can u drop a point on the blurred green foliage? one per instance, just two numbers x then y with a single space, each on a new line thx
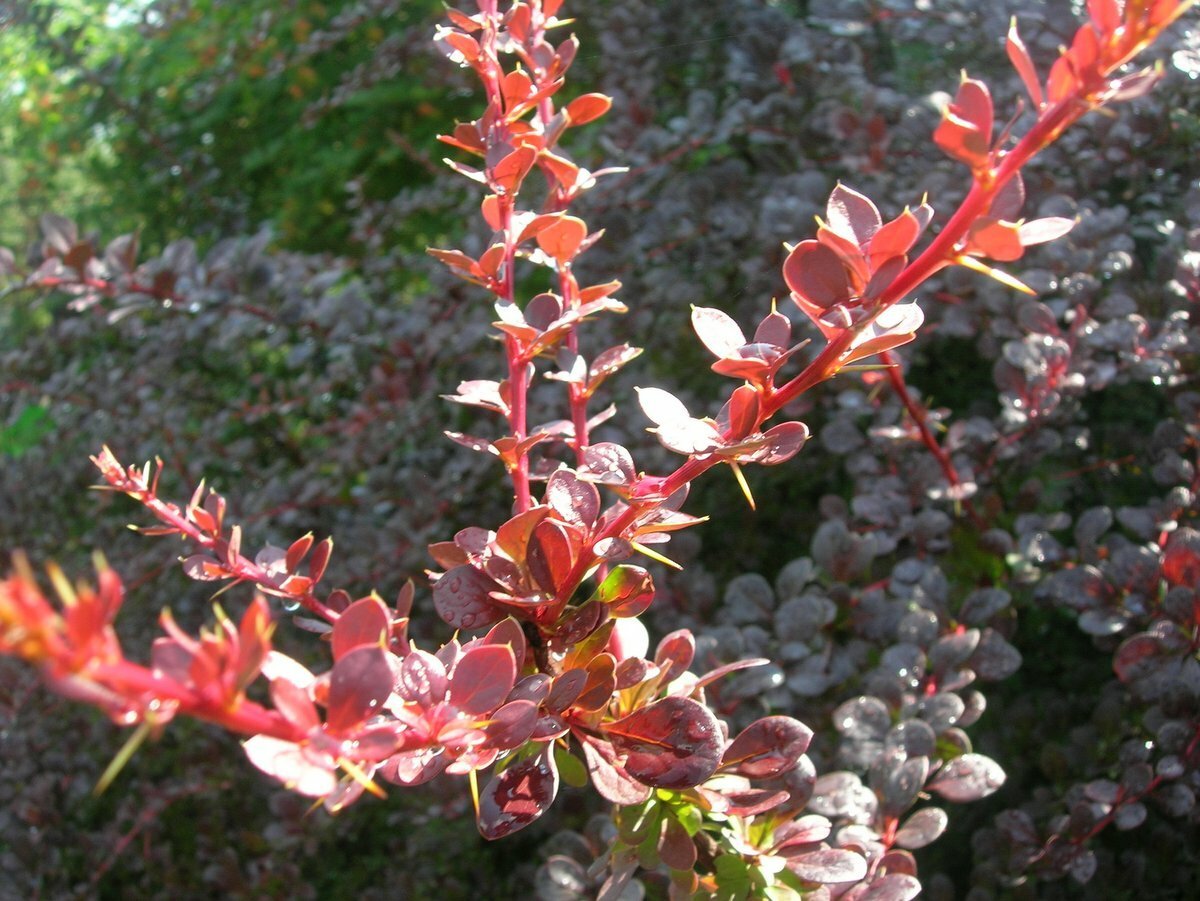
211 117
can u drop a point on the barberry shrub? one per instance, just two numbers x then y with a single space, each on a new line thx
549 677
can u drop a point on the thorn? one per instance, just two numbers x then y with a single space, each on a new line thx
654 555
360 777
61 585
1002 277
474 778
123 756
743 484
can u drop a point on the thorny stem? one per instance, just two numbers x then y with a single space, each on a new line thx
242 568
244 717
940 252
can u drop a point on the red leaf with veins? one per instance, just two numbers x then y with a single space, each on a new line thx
673 743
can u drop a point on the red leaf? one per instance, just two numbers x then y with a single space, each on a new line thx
422 679
482 678
852 215
518 796
551 556
561 239
294 704
816 275
358 684
996 239
513 537
297 550
508 633
740 414
673 743
1018 55
364 622
767 747
965 132
717 331
508 174
896 238
319 560
725 669
1181 562
600 684
587 107
674 654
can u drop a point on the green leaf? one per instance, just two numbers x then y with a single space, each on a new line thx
30 427
571 769
733 878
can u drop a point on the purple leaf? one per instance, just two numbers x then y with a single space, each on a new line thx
461 599
612 781
608 464
512 725
775 329
574 501
518 796
967 778
767 747
922 828
675 847
829 865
